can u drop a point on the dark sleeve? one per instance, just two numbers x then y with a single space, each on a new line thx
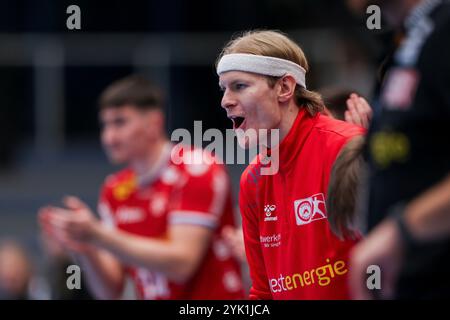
436 65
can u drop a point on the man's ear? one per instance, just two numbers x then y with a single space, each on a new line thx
287 86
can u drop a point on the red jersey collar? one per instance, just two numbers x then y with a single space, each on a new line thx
293 142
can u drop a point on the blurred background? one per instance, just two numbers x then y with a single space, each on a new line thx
50 79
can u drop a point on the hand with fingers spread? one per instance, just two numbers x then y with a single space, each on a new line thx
358 111
73 226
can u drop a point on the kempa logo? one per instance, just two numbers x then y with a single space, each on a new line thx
310 209
268 209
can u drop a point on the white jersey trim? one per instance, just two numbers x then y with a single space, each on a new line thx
192 217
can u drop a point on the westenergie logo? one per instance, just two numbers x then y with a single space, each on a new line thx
321 276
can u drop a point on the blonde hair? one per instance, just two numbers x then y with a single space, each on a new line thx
273 43
343 189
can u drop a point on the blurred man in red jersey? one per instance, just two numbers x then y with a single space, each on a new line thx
160 222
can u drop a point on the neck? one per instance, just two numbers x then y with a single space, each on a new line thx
288 116
150 159
289 113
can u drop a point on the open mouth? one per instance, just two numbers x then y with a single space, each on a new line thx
237 121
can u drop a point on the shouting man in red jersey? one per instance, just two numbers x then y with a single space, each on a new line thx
161 221
292 252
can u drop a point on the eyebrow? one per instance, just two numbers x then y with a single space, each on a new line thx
233 82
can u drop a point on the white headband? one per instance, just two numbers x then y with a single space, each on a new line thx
269 66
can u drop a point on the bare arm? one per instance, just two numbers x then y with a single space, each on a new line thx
428 216
178 256
105 276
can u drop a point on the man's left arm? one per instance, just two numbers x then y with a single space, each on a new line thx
178 255
427 217
424 219
192 219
